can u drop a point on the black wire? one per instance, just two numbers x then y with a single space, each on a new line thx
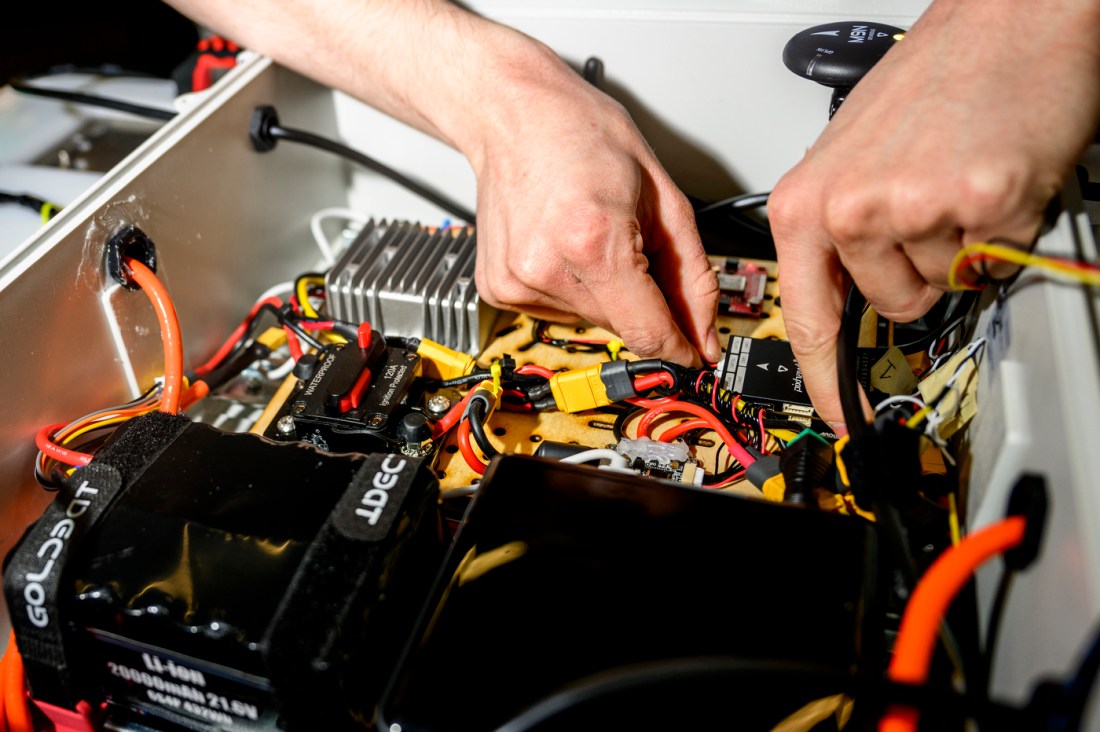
477 426
740 202
656 675
996 616
26 200
302 333
847 363
538 335
477 375
93 100
110 70
323 143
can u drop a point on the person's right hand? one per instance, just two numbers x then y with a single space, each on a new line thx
577 217
962 133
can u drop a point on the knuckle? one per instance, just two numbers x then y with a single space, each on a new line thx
910 305
582 241
809 339
849 216
786 204
643 343
989 193
917 210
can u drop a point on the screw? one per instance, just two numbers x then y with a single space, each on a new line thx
298 407
410 356
285 426
376 420
438 405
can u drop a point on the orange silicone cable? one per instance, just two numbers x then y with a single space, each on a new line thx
169 333
921 622
16 711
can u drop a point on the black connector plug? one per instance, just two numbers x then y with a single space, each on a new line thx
129 242
1028 499
806 463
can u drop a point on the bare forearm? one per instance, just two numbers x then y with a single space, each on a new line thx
426 62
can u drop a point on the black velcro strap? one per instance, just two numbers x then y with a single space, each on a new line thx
349 560
34 574
33 577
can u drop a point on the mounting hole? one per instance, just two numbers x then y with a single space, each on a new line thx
441 474
536 438
724 330
580 330
499 431
452 449
129 242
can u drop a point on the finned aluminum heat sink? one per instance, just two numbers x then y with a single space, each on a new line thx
408 281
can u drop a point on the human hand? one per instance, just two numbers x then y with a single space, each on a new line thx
577 217
962 133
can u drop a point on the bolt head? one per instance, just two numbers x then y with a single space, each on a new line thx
438 405
285 425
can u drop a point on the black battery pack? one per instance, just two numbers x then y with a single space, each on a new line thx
203 580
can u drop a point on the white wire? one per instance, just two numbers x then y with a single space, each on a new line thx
900 399
316 225
283 288
280 372
616 462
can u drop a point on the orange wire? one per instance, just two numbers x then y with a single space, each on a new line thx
921 622
16 709
169 333
3 701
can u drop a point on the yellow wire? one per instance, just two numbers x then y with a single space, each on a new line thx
495 370
915 421
307 307
999 252
953 519
303 294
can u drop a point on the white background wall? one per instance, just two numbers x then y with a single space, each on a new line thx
704 80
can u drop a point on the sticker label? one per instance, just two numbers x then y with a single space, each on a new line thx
156 683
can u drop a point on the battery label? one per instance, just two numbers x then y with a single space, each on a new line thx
151 681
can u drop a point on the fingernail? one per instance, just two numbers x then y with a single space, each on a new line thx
714 350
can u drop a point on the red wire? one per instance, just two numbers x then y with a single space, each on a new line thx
763 432
933 594
684 427
293 344
56 452
317 324
531 369
451 418
649 382
467 449
236 335
650 403
169 333
739 453
16 709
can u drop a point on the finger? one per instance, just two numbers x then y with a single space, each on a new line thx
888 279
932 259
685 276
811 286
628 302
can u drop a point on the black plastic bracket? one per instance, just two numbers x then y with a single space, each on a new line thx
133 243
263 119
